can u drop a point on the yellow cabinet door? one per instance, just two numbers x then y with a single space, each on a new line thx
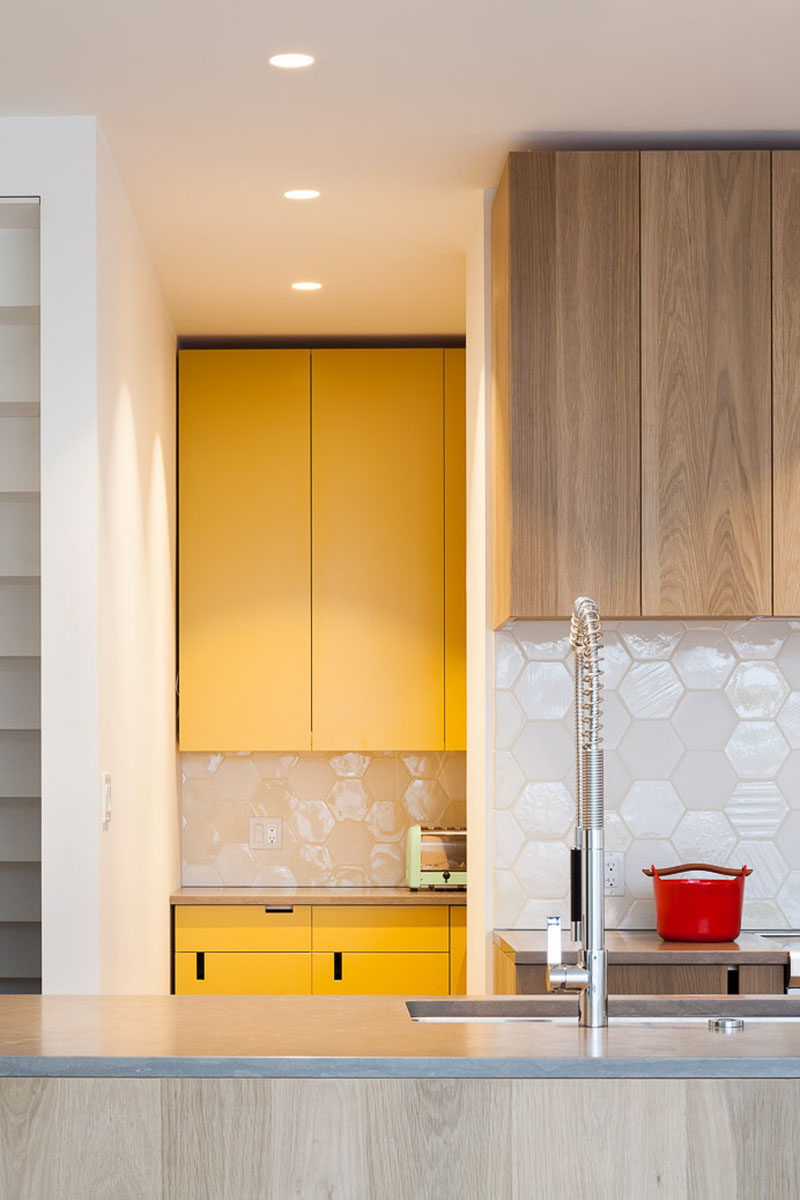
244 611
371 928
455 552
248 927
237 974
458 951
378 530
354 974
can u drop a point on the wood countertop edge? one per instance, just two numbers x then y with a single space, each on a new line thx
392 897
660 954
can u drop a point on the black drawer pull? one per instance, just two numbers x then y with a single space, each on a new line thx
337 965
278 908
201 964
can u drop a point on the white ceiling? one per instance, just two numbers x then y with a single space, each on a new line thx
406 115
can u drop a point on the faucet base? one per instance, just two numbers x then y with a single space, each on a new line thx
593 1000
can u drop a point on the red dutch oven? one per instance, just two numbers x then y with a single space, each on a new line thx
698 910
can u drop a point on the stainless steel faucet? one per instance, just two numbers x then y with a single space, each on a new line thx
588 976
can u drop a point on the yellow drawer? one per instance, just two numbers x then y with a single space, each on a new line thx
353 974
242 974
248 927
380 928
458 951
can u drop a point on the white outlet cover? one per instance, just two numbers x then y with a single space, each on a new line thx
266 833
614 875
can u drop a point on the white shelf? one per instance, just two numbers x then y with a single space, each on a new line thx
19 535
20 697
20 766
20 835
20 619
19 212
19 454
20 891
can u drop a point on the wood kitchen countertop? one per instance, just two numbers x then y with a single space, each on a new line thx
315 895
644 946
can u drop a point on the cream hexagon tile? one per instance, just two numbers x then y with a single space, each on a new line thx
543 640
756 808
311 821
756 690
274 798
545 810
199 766
231 819
384 778
617 779
508 660
641 855
508 838
455 815
542 869
274 766
200 876
424 801
535 913
762 914
704 659
509 899
704 837
652 809
650 639
508 778
544 690
769 868
350 877
757 749
616 910
349 843
315 866
275 876
422 766
789 720
704 779
387 821
237 865
200 842
788 840
789 779
789 658
312 778
757 638
615 720
651 689
199 798
453 775
640 915
617 833
704 720
385 865
236 778
544 750
789 898
650 749
349 800
350 765
287 856
614 659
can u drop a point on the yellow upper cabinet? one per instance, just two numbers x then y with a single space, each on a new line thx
244 550
455 552
378 542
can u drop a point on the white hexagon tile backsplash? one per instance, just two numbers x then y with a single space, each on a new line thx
345 816
702 757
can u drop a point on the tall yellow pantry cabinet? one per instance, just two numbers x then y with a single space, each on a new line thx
321 549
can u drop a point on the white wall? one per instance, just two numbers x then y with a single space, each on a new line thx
136 590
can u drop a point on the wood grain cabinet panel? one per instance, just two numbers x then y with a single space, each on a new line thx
706 393
565 363
786 379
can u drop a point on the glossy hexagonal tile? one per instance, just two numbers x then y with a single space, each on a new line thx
652 809
386 865
350 877
788 840
789 720
200 798
544 750
237 865
704 837
508 779
545 810
508 838
615 720
640 915
650 639
452 775
757 749
274 766
769 868
424 801
349 800
542 869
199 766
508 720
311 821
349 843
236 778
762 914
387 821
641 855
455 815
200 876
312 778
756 690
547 640
758 638
508 660
617 833
275 876
756 809
616 910
274 798
789 898
704 659
617 779
200 842
544 690
614 660
651 689
704 779
384 777
789 779
422 766
350 765
704 720
315 866
650 749
789 659
509 899
231 819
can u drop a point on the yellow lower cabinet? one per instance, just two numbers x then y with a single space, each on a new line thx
246 927
458 951
234 974
349 973
373 928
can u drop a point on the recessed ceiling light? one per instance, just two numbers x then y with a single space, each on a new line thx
301 194
291 61
307 286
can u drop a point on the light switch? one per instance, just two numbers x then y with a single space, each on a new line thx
105 812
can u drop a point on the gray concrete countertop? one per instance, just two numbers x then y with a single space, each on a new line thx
361 1037
316 895
629 947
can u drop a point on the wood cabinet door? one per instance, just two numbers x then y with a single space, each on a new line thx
706 392
565 368
244 611
377 549
786 379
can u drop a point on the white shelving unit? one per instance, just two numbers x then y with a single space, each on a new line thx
20 662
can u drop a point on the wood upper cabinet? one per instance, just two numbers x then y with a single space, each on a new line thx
565 364
786 379
706 435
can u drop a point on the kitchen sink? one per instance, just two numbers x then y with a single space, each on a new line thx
620 1008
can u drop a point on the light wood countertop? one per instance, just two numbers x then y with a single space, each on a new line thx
644 946
316 895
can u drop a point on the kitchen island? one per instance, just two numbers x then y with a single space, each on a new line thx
185 1096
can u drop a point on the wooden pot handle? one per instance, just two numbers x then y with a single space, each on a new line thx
697 867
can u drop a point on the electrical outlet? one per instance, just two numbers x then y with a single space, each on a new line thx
266 833
614 874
